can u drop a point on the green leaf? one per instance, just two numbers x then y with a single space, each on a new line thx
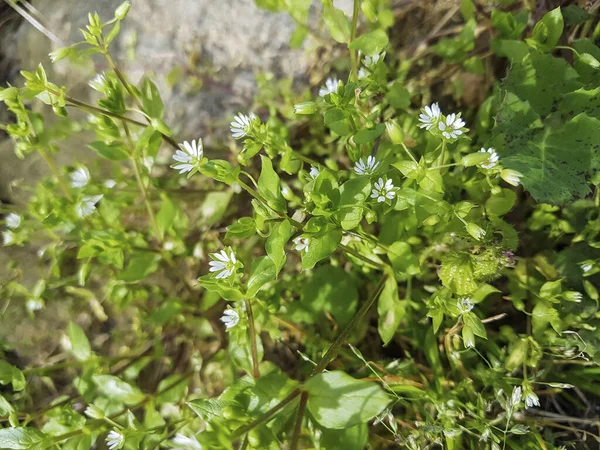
242 229
230 293
337 121
117 389
353 194
13 375
337 23
269 185
266 393
80 346
140 266
398 96
473 322
21 438
390 310
403 260
320 246
542 315
114 152
262 271
500 204
336 400
457 273
574 15
165 215
209 409
214 206
153 104
510 25
353 438
368 135
547 31
275 245
371 43
330 289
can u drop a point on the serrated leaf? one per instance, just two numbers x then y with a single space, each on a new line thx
336 400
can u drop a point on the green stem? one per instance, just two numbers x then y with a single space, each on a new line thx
408 152
341 338
353 56
361 257
56 173
253 337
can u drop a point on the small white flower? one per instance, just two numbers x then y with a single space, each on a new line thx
87 205
492 160
383 190
314 172
110 184
186 443
190 157
531 399
512 177
362 73
517 396
148 162
372 60
98 82
230 318
464 305
367 167
93 412
223 264
301 243
330 86
8 237
451 127
429 116
241 124
13 220
586 266
115 440
80 177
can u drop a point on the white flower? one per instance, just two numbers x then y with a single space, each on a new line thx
314 172
13 220
531 399
98 82
512 177
383 190
451 127
93 412
241 125
366 167
517 395
464 305
186 443
34 304
8 237
190 157
230 318
80 177
115 440
492 160
429 116
148 162
223 263
87 205
330 86
301 243
372 60
586 266
362 73
110 184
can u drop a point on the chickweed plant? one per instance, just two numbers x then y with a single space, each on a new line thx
367 265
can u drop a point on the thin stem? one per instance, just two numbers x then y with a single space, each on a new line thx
341 338
266 416
56 173
298 425
253 347
123 80
35 23
353 56
408 152
361 257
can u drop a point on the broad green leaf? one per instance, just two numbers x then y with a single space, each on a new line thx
140 266
214 206
473 322
337 23
353 438
275 245
371 43
320 246
80 346
266 393
353 194
269 185
173 389
403 260
21 438
501 203
117 389
398 96
336 400
114 152
13 375
153 104
242 229
209 409
230 293
330 289
337 121
166 215
547 31
390 310
457 273
368 135
262 271
542 315
240 351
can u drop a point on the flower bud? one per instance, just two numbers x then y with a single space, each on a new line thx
572 296
371 216
512 177
59 54
475 231
122 10
432 220
395 132
474 158
93 412
305 108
